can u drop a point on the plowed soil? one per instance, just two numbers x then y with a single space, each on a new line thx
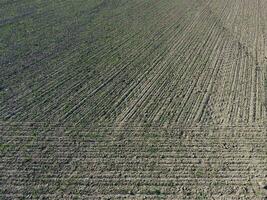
120 99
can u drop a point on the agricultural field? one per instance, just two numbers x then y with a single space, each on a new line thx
133 99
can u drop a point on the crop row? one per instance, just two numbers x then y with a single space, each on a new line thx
118 162
175 63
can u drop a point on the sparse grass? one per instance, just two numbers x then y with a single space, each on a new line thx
200 172
154 192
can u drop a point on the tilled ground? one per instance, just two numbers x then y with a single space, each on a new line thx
133 99
131 162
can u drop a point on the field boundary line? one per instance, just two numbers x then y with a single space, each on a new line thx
133 126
